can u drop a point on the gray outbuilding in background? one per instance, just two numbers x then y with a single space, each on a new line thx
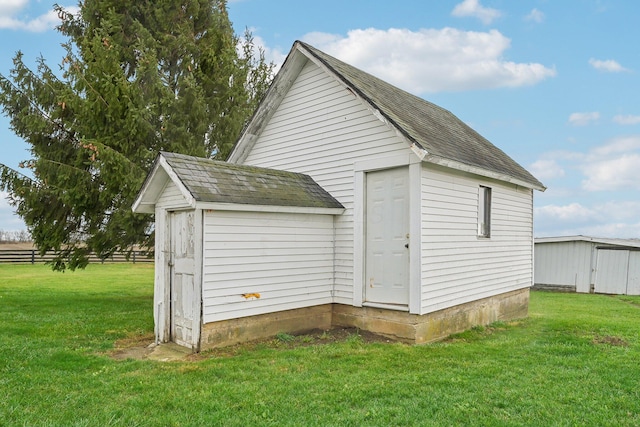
587 264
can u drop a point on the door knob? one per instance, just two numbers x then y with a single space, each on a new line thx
406 246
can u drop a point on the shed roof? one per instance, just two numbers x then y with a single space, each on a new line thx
634 243
211 181
441 136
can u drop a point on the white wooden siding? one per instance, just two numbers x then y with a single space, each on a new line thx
171 198
457 265
565 264
321 129
285 258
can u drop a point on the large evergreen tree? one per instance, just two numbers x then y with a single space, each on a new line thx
138 76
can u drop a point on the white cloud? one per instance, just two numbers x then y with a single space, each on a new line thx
612 174
582 119
618 145
432 60
474 9
573 212
626 119
619 211
9 221
10 19
612 166
611 170
10 7
608 65
609 219
609 230
608 167
615 229
535 16
546 169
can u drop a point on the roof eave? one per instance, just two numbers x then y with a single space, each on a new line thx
160 173
278 89
141 203
268 208
441 161
589 239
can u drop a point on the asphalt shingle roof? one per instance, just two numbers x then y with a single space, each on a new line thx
429 126
215 181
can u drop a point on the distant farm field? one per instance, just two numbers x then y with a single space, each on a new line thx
574 361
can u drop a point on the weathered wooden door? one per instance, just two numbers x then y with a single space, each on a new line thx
387 237
182 292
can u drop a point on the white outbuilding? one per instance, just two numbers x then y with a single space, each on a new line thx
588 265
394 217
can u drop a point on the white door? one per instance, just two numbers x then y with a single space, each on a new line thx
387 237
182 264
611 271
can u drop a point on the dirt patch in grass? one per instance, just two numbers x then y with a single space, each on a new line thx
287 341
611 340
133 347
141 346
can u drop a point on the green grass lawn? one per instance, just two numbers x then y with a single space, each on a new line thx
574 362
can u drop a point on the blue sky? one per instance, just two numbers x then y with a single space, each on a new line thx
554 84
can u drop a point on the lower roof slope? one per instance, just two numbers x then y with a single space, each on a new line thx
220 182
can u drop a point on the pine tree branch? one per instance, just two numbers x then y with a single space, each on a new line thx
7 171
60 125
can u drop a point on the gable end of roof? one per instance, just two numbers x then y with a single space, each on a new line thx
441 136
433 133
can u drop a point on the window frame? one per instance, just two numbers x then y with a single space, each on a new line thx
484 212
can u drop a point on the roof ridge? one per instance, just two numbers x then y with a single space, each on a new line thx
431 127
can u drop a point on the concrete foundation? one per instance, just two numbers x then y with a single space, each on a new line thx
234 331
397 325
420 329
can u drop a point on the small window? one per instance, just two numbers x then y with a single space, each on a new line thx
484 211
